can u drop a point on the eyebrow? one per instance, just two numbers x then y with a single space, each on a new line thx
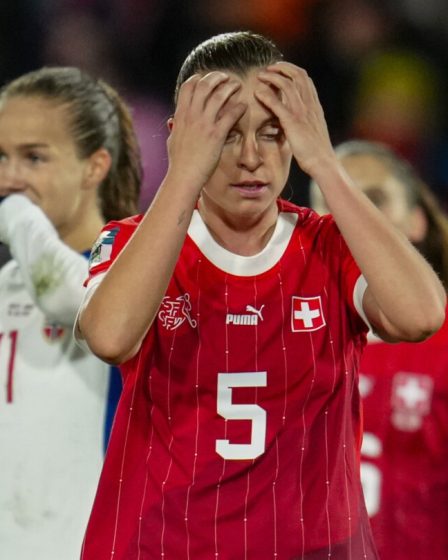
273 121
270 120
33 145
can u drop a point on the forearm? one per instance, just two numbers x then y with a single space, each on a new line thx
405 299
122 308
53 273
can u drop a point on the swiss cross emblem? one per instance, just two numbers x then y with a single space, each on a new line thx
411 400
306 314
412 392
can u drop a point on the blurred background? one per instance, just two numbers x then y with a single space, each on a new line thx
379 66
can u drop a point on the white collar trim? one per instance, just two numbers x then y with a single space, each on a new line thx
237 264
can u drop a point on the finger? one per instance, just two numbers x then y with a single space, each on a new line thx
223 95
299 77
230 115
290 94
293 81
186 91
287 69
316 97
270 99
193 92
205 87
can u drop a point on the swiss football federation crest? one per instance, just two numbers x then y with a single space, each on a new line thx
411 400
174 312
306 314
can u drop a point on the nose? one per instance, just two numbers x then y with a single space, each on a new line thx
249 157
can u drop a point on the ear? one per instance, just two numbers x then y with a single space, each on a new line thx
170 123
98 166
418 225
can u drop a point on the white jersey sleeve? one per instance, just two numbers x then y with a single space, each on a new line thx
53 272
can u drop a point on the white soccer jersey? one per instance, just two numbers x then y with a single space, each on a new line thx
52 407
53 396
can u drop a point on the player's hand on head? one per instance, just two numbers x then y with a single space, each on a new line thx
205 113
292 97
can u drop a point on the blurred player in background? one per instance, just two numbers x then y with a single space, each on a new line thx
68 162
404 386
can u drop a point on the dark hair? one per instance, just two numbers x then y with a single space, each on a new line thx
99 119
434 246
237 51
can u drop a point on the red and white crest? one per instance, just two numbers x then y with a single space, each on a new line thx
53 332
306 314
175 311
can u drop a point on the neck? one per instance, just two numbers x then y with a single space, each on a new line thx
84 234
246 236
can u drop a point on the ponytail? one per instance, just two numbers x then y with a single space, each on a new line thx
120 191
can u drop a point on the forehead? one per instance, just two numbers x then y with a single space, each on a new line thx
250 83
365 167
368 171
33 119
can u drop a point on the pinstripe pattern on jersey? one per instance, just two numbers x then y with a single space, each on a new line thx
299 499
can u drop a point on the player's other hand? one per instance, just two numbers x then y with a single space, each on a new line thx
292 97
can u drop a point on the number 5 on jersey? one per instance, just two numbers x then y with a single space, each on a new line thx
252 412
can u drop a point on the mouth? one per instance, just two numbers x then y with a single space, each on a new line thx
250 188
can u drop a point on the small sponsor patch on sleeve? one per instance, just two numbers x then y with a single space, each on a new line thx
102 249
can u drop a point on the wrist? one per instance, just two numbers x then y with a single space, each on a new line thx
328 172
184 183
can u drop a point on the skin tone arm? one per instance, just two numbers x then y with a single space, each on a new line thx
404 299
205 114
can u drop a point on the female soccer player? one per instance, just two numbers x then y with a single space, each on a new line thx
68 161
239 320
404 386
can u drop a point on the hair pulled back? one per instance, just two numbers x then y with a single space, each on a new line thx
237 52
99 118
434 246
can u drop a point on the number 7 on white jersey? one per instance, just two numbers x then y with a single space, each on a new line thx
252 412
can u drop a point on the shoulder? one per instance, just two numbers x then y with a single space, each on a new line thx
319 228
306 215
125 225
111 240
119 229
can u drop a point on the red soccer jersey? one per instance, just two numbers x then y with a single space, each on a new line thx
405 447
237 435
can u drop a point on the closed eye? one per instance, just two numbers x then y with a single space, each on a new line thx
231 136
271 133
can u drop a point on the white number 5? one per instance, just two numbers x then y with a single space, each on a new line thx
253 412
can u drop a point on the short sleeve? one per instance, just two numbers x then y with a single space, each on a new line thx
108 246
352 282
